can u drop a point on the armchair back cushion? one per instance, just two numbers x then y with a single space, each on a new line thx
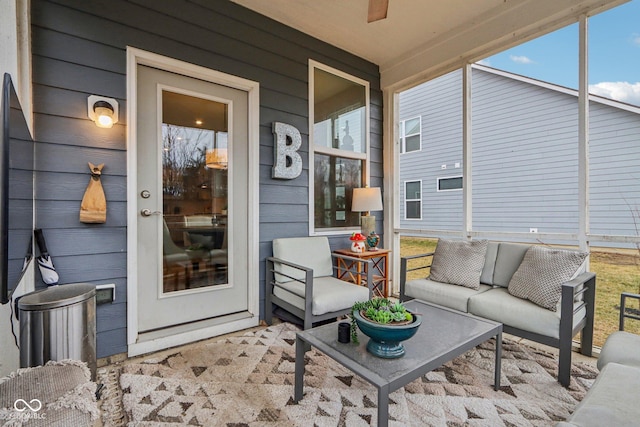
310 252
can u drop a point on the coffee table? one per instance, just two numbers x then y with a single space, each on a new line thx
444 335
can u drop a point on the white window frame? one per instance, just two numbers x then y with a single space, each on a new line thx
406 199
448 177
313 65
403 135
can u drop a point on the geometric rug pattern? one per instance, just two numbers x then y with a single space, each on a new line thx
248 381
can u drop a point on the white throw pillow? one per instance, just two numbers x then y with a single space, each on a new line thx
542 272
459 262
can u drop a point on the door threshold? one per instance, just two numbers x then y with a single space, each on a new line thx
161 339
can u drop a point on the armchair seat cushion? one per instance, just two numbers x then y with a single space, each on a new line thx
620 347
612 400
329 294
499 305
455 297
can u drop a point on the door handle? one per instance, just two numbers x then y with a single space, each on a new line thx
148 212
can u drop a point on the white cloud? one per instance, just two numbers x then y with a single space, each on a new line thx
635 39
484 62
521 59
620 91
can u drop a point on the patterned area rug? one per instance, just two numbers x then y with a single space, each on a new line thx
247 381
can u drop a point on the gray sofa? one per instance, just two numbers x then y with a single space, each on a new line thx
499 268
612 400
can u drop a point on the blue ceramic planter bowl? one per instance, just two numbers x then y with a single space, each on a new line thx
386 340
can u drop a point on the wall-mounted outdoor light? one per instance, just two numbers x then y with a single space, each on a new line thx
103 111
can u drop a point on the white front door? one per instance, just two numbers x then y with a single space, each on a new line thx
193 203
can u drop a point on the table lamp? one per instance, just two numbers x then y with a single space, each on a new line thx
366 200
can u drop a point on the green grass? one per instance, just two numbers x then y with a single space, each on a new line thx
617 271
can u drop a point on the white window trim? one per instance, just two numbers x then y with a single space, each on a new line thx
406 199
333 151
447 177
403 135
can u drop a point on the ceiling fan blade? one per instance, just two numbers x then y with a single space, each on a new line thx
377 10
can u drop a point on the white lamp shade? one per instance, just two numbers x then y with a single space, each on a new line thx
366 199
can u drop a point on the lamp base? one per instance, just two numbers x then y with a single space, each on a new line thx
367 224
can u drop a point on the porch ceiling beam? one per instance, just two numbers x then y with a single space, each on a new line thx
505 26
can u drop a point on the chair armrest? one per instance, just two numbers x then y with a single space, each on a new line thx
367 263
308 278
623 303
404 269
275 260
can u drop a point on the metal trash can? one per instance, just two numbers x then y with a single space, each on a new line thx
58 323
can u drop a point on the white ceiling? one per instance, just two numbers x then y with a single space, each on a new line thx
422 38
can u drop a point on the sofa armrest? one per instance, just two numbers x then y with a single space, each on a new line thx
363 266
404 269
577 294
623 313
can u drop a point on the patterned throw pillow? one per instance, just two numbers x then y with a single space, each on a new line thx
459 262
541 274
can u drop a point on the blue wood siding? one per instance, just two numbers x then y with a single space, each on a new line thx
525 157
79 49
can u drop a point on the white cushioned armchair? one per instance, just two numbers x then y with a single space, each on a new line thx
300 278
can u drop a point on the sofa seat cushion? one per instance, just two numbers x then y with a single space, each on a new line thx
329 294
620 347
612 400
459 262
445 294
499 305
542 273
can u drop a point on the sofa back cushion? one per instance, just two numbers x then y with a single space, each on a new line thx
459 262
508 260
541 274
310 252
486 277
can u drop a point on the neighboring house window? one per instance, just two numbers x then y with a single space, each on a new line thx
450 183
410 135
413 200
339 148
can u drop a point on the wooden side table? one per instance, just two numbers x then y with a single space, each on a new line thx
351 271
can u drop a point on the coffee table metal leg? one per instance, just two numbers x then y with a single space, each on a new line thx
498 366
299 375
383 406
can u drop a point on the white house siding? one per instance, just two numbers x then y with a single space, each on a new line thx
79 49
525 156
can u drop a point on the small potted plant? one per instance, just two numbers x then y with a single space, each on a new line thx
386 323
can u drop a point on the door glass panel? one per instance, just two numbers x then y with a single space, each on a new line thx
195 197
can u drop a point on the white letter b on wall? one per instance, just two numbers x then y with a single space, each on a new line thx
287 162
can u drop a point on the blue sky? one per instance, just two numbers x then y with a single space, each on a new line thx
614 55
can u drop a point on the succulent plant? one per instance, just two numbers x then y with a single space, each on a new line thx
380 310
